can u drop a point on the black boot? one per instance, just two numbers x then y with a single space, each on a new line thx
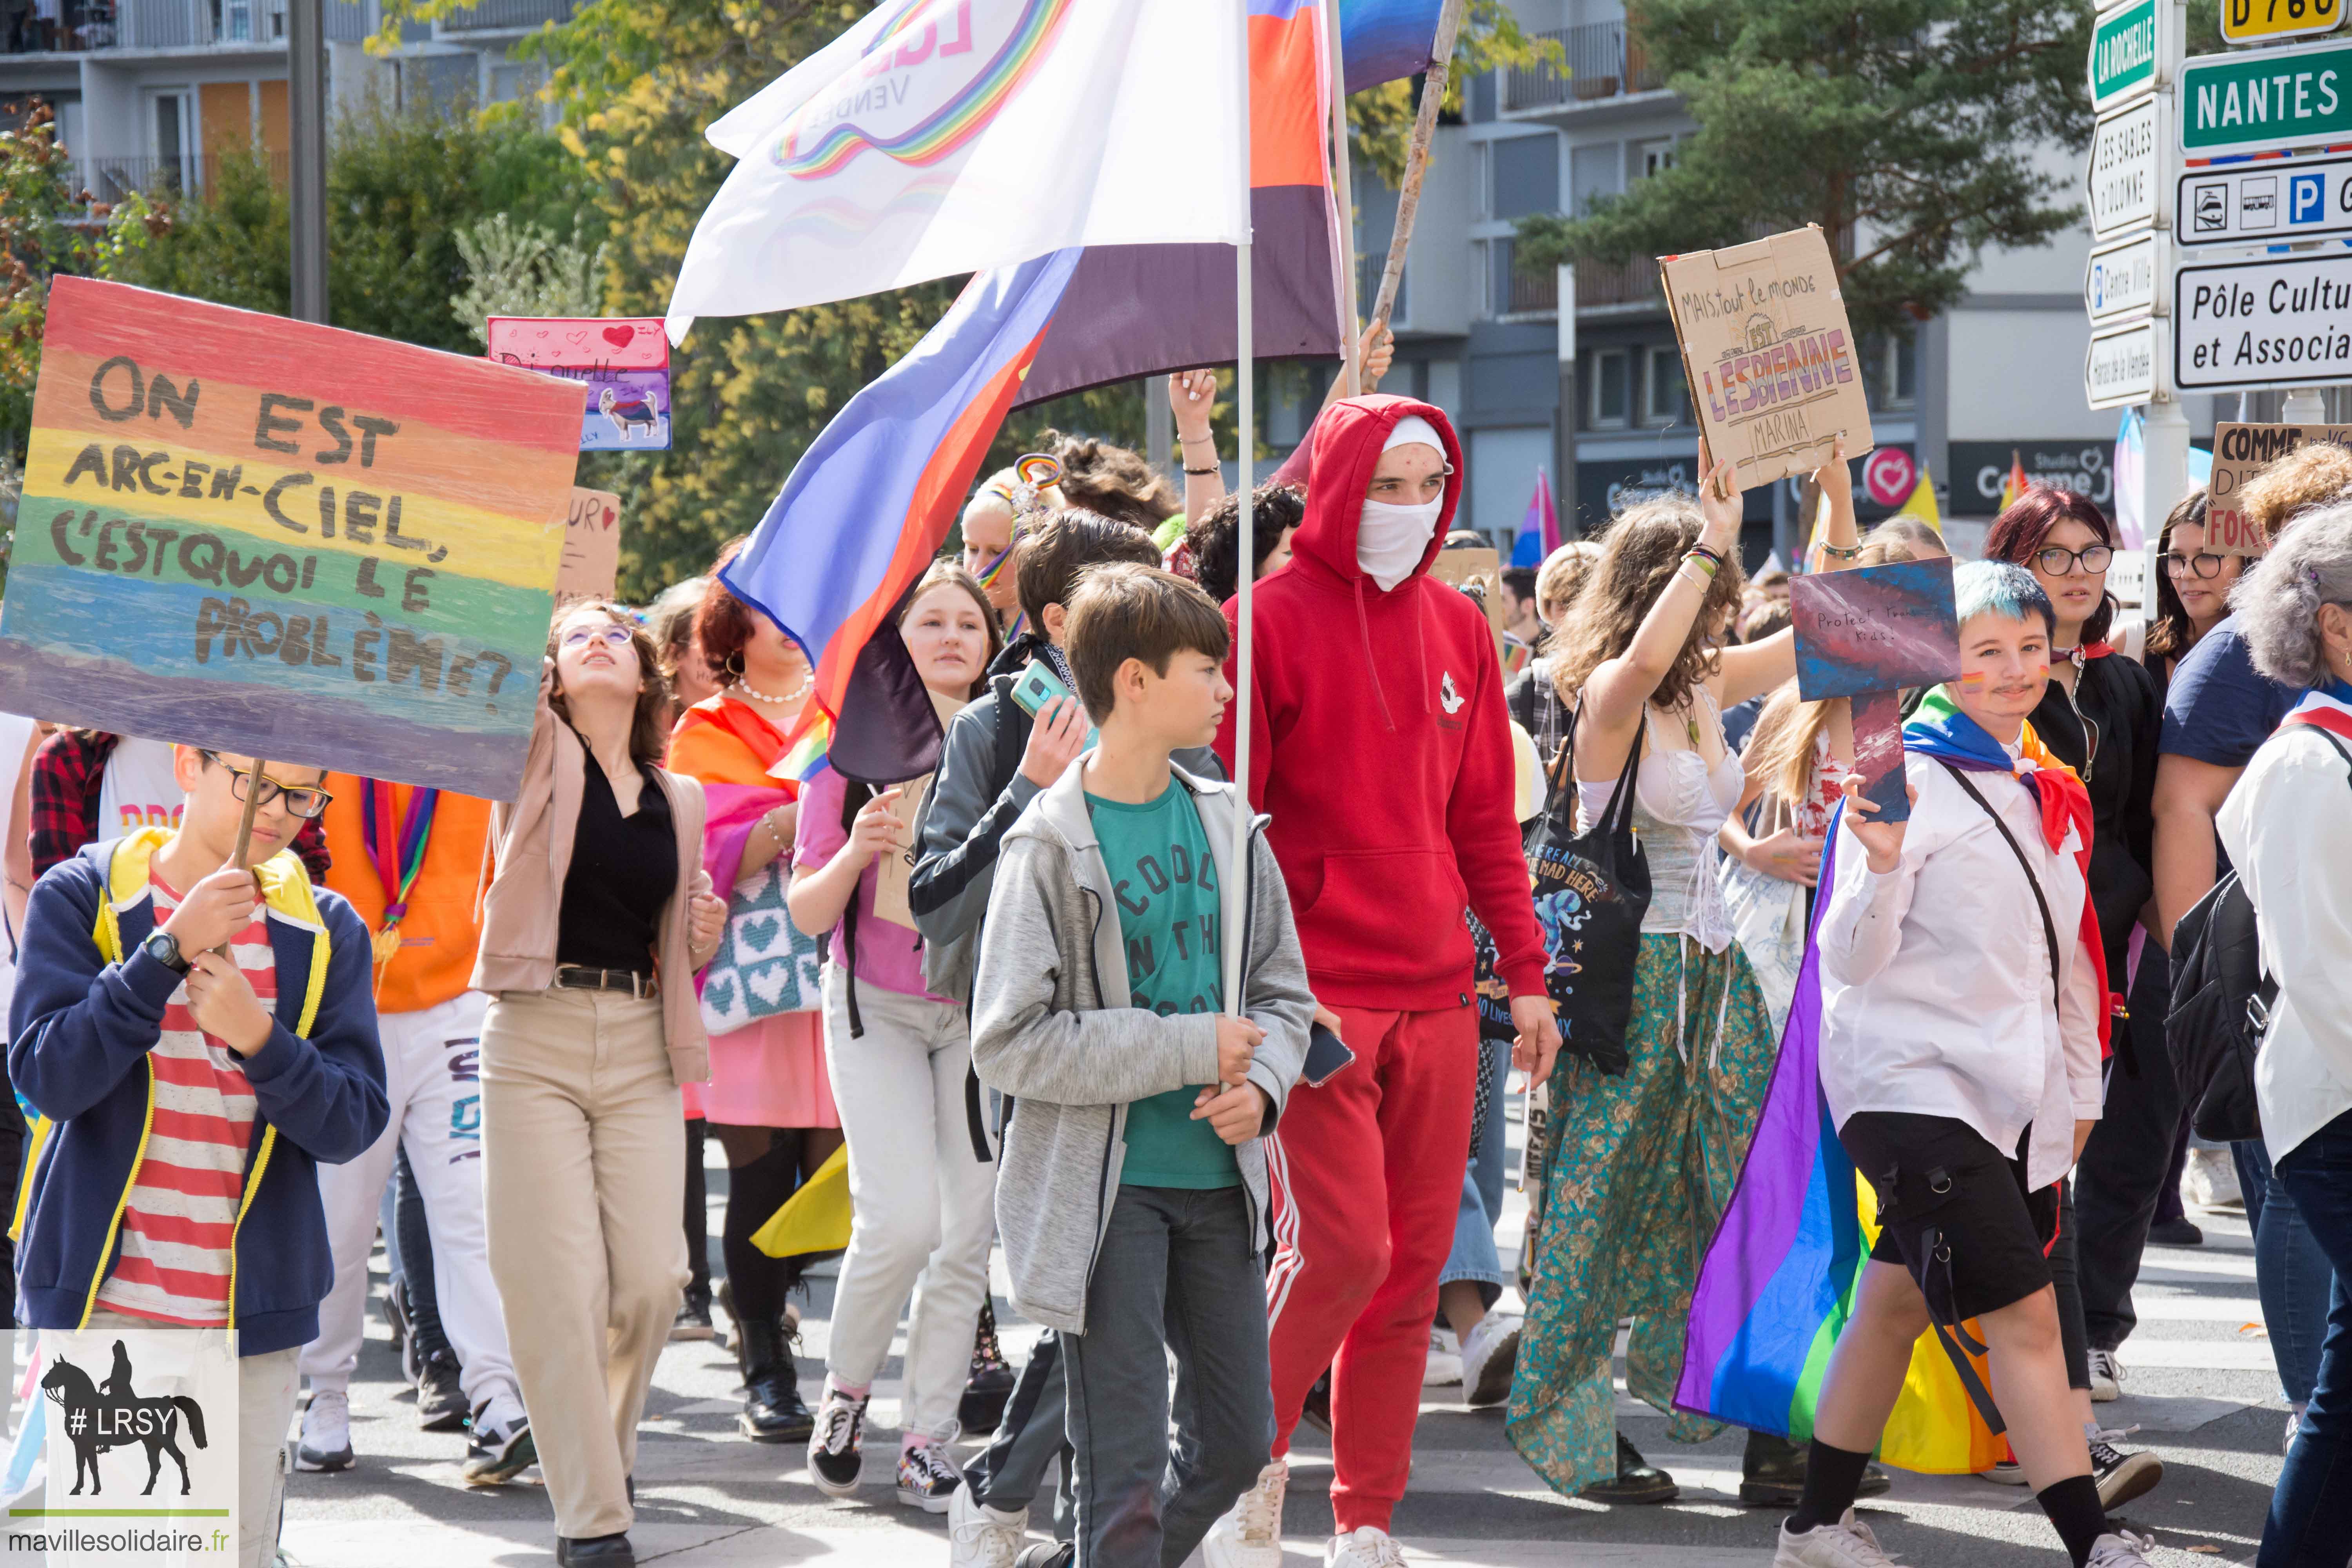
990 1385
773 1411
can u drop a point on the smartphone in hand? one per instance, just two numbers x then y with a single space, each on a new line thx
1039 687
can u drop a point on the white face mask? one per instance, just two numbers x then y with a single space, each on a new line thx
1391 539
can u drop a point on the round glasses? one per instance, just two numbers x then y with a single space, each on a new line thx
2199 566
615 636
2057 560
304 801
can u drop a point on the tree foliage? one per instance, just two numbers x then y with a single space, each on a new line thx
1908 130
521 270
1380 118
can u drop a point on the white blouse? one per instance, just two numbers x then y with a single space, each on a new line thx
1936 980
2288 828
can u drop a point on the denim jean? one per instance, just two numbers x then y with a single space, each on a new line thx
2310 1523
1473 1257
2291 1273
1032 1435
1177 1271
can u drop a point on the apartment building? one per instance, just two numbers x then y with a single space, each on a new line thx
149 93
1481 335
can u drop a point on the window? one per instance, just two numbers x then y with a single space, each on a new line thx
1612 399
1592 173
1653 157
1525 172
174 142
1664 399
1891 370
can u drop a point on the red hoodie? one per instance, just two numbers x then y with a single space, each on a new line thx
1380 746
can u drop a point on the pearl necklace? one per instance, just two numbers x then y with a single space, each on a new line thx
746 689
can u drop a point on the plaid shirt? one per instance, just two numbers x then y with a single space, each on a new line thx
68 771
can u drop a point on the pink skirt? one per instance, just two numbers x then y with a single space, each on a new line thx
771 1074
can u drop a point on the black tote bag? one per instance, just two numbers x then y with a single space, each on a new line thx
1592 889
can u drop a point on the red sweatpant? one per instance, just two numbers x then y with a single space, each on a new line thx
1367 1174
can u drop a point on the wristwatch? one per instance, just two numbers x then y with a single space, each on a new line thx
164 949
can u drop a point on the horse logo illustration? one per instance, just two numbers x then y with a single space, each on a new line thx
97 1420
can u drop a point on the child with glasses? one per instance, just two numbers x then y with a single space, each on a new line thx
194 1058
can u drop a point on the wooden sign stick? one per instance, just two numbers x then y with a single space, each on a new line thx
239 858
1417 157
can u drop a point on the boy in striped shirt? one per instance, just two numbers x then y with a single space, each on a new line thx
195 1037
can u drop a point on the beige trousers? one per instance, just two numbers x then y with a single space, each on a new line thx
583 1172
266 1389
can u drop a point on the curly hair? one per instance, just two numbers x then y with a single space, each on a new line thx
1640 555
2310 475
1111 481
2278 601
1217 549
2024 525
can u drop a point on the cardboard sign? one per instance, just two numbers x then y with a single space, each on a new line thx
1771 362
285 539
2240 452
1867 635
592 547
1485 567
621 364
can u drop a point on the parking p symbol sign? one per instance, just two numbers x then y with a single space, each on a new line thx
2305 199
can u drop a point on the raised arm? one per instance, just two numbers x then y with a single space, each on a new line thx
1192 394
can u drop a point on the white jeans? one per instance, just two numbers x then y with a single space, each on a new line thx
432 1073
922 1206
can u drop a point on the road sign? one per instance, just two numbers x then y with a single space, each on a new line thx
2125 279
2267 98
2125 365
2263 203
2126 172
2134 51
2267 21
2263 321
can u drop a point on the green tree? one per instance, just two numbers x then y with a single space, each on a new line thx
1908 130
521 270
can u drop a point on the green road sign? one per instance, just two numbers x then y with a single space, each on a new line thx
2267 98
2125 52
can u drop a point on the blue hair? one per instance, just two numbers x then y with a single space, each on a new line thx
2001 588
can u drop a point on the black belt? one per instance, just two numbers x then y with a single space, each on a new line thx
572 977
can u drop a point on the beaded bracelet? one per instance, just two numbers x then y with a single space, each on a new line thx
1829 549
1714 555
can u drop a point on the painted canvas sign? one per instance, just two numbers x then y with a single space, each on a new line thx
620 365
1868 635
285 539
1773 369
592 547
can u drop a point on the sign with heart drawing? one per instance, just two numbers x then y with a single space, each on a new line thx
622 364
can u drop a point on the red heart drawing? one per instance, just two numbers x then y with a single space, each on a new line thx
619 337
610 517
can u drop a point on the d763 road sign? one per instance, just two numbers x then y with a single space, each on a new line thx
2261 21
2267 98
2254 203
2126 171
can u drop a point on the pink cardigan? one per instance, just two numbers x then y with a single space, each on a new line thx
531 838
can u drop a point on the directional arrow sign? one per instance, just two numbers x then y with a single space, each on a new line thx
2125 278
2133 51
2124 364
2264 322
2267 98
2127 173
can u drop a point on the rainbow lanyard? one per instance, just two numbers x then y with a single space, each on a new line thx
398 856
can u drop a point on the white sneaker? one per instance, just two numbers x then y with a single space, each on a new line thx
979 1536
1363 1547
1845 1545
326 1441
1249 1535
2106 1377
2210 1182
928 1478
2122 1549
1489 1356
1444 1363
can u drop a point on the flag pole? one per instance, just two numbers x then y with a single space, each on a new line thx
1343 190
1416 156
1244 450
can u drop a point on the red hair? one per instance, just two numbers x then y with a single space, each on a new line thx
2018 534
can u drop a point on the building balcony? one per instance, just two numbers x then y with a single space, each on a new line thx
109 180
507 15
104 26
1618 286
1604 68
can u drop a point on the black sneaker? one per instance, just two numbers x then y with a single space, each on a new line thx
2122 1477
497 1452
440 1400
1052 1554
926 1477
693 1322
833 1459
2181 1232
594 1551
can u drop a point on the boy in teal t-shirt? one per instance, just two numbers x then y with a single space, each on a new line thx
1165 880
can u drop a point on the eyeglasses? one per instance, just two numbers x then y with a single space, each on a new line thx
612 636
303 800
2200 565
2056 560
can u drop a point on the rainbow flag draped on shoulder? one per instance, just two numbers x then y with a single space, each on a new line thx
1777 1284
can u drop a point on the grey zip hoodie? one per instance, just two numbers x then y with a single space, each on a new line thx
1050 1028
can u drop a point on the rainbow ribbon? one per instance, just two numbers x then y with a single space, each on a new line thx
398 855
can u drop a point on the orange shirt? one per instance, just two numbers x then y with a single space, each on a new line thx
438 934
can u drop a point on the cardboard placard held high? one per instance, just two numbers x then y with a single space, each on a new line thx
1774 372
2240 452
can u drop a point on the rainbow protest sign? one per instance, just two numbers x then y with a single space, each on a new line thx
285 539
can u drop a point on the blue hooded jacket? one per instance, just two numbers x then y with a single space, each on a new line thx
80 1032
